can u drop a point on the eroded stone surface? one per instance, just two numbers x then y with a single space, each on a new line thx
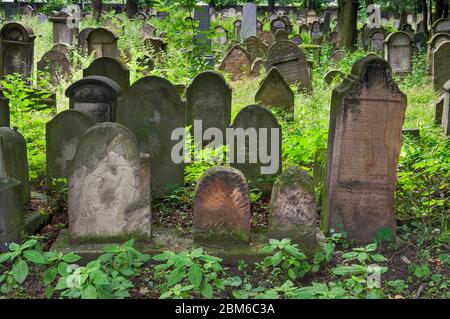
275 92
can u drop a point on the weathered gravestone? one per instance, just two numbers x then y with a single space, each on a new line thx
316 32
446 108
16 49
267 38
281 35
11 211
334 38
275 92
293 211
364 142
255 70
256 147
398 51
439 109
82 39
209 101
96 96
131 8
420 41
237 27
237 63
63 30
433 44
13 158
327 22
155 45
103 42
4 110
408 29
62 135
202 40
277 24
152 109
332 75
147 30
57 64
222 208
375 40
259 26
310 17
441 26
291 62
256 48
441 65
109 188
111 68
248 28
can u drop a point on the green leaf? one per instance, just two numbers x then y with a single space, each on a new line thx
195 275
99 278
20 271
34 257
371 247
175 276
89 292
14 247
350 255
4 257
378 257
49 275
48 292
62 269
362 257
28 244
276 259
71 258
207 291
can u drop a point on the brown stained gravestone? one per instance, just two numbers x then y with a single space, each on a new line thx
291 62
256 150
111 68
293 211
209 100
16 49
441 66
337 56
237 63
398 51
275 92
96 96
267 38
13 158
152 109
11 212
57 64
103 42
256 48
109 187
222 208
364 143
62 135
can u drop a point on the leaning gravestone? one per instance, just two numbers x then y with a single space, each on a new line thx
316 32
96 96
111 68
248 28
109 189
147 30
63 30
259 155
441 65
16 49
82 39
275 92
57 64
11 212
267 38
364 143
152 109
331 75
209 101
103 42
237 63
293 211
256 48
222 208
13 158
62 135
398 51
291 62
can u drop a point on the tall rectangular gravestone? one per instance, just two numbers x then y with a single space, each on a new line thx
248 28
441 65
203 41
11 211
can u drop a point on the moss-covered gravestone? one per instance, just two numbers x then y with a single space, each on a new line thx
237 63
222 207
256 146
364 142
332 75
293 210
441 66
103 42
255 47
11 212
13 159
108 192
62 135
111 68
152 109
57 64
275 92
398 51
209 101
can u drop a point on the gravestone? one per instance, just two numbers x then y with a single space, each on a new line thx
13 158
237 27
264 139
11 212
145 65
4 110
57 64
441 26
237 63
248 28
62 135
277 24
222 208
209 100
310 17
255 47
111 68
316 32
281 35
304 29
420 27
152 109
408 29
96 96
433 44
267 38
326 22
446 108
147 30
16 49
334 38
420 41
64 31
439 109
11 9
103 42
441 67
398 51
275 92
109 189
255 70
375 40
221 36
26 11
132 8
202 40
82 39
155 45
259 26
291 62
331 75
364 143
293 211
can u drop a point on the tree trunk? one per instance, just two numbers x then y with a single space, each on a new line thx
348 14
446 9
425 15
439 9
132 8
97 6
403 16
271 5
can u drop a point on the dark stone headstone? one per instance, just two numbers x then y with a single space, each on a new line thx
275 92
441 66
111 68
11 212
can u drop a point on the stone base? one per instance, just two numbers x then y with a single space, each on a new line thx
168 239
34 222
